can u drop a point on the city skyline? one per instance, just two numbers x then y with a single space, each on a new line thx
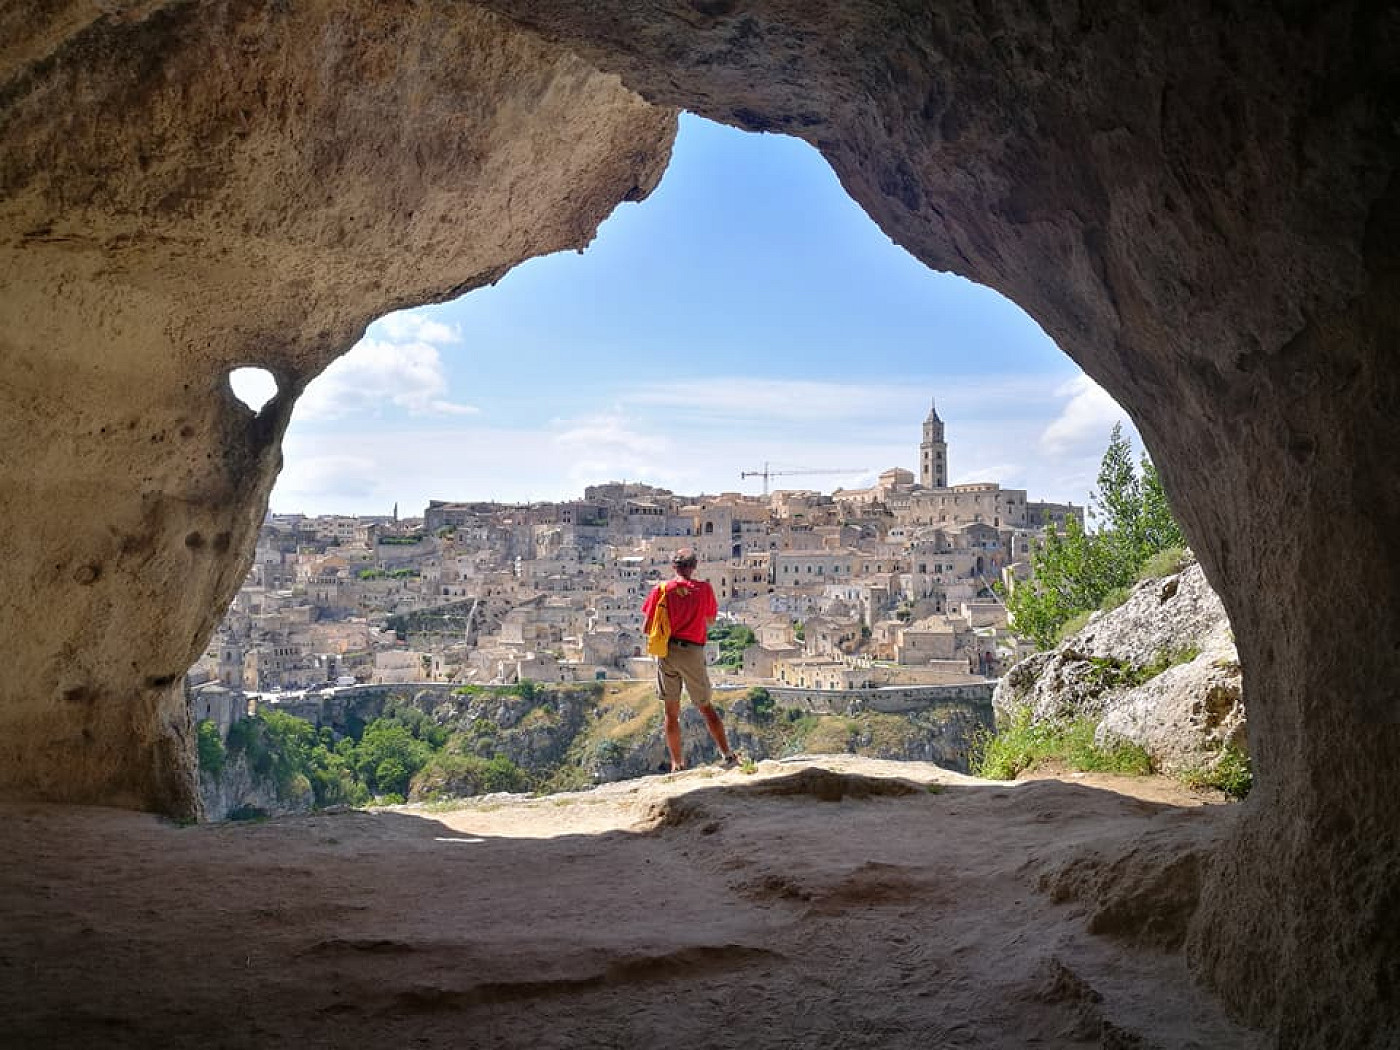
748 313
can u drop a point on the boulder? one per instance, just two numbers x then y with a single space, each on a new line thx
1159 671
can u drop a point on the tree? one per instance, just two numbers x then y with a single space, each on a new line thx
1160 530
211 748
1067 577
1118 501
1076 571
389 747
761 703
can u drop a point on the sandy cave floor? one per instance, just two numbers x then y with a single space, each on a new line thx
829 902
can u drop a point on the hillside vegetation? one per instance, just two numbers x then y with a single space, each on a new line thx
531 738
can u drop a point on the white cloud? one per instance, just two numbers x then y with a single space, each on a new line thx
321 480
693 438
406 326
375 374
609 447
1084 423
755 400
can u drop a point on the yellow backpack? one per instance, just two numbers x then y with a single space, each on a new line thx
659 637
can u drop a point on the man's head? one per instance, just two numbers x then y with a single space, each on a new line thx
684 561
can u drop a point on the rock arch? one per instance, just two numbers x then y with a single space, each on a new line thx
1197 201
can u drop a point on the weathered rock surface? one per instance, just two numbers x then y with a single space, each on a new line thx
1198 201
237 791
842 903
187 189
1184 715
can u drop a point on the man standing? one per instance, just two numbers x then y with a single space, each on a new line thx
691 606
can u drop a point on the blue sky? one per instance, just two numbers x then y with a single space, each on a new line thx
748 312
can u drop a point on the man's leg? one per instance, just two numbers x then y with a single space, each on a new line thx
692 669
668 689
716 727
673 734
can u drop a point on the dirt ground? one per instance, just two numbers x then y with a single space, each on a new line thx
826 902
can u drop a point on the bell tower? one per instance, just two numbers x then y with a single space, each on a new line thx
933 453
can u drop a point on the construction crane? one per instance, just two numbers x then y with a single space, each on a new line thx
765 473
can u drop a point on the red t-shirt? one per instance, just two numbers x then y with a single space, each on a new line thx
691 605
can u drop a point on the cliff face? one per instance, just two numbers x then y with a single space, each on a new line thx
237 791
1160 671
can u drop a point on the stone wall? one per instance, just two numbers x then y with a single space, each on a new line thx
896 700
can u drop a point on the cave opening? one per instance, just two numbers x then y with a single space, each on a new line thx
1200 205
252 386
747 311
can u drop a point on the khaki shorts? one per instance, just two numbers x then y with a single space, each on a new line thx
683 664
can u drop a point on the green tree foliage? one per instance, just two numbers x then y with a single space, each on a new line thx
1160 530
388 755
732 639
448 774
761 703
211 748
1078 571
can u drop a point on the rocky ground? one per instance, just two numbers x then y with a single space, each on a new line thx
833 901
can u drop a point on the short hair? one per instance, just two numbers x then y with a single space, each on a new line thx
684 556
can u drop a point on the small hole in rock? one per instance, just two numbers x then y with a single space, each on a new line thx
255 387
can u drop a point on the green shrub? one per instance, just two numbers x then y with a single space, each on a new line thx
389 747
1231 773
761 703
1016 746
1114 598
1072 626
566 778
1164 563
1082 752
1022 743
1107 672
1168 658
212 755
609 752
448 775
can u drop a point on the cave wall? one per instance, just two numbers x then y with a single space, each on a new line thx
1196 200
1199 203
191 188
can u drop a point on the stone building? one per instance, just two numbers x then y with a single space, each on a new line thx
933 452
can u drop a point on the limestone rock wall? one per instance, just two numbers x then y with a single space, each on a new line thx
1184 716
238 792
190 188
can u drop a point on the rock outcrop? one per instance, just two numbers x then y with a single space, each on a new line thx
1198 202
238 792
185 190
1160 671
